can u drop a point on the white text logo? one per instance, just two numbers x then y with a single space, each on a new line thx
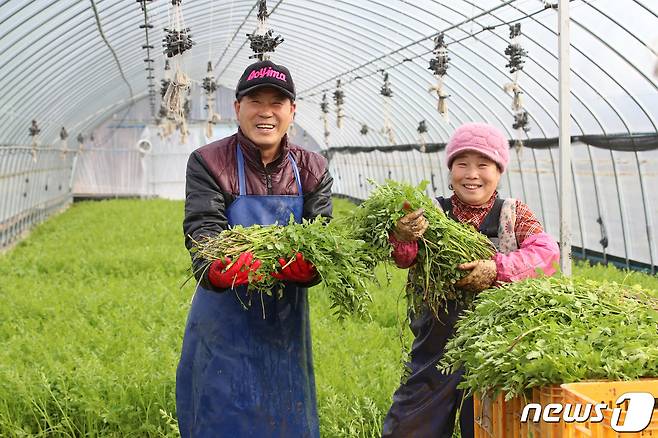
638 414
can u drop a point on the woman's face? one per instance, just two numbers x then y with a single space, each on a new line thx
474 177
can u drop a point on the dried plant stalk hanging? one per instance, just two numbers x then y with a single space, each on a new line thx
422 131
210 87
174 99
387 94
439 66
263 41
324 107
63 144
34 133
339 100
176 42
164 120
517 56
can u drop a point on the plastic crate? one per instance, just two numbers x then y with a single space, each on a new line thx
607 392
497 418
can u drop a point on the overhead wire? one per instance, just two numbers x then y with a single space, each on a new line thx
303 94
243 43
109 46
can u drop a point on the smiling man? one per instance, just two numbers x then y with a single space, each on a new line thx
249 371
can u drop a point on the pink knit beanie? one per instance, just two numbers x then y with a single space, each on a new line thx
482 138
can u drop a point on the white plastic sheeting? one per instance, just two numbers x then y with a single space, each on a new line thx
58 71
608 215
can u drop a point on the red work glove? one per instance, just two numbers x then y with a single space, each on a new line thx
297 270
236 275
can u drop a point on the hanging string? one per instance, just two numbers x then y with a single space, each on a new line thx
165 119
655 51
439 66
208 84
63 135
324 107
517 55
263 41
176 42
34 133
210 88
339 100
387 94
422 131
149 61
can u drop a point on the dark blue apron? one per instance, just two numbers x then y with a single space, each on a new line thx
242 374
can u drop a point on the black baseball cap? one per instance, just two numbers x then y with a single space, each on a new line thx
265 74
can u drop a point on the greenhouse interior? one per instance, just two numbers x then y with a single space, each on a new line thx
152 152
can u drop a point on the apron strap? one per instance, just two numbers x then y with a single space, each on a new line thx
242 185
296 171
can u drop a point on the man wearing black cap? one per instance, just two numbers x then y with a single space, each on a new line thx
247 370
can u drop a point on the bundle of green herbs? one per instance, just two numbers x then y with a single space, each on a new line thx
344 264
554 330
445 244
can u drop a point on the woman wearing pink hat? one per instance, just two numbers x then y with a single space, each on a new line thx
477 154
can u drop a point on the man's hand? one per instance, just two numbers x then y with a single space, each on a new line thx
411 226
296 270
236 275
482 275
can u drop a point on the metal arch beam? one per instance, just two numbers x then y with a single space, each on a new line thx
84 39
603 98
537 64
396 50
585 106
89 42
401 72
645 8
24 93
316 31
505 74
621 26
644 110
23 22
466 74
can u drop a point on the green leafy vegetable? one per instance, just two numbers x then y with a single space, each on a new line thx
554 330
445 245
344 264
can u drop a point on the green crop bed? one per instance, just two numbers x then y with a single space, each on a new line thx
92 319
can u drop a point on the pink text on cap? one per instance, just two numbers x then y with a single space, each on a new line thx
266 73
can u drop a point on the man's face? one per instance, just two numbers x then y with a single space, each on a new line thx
264 116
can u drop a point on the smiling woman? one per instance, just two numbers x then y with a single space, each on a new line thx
477 154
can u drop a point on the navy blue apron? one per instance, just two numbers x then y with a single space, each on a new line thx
427 403
242 374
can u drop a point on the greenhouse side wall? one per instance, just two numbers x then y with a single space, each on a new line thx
35 182
615 205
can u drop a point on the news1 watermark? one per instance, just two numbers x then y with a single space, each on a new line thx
639 410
